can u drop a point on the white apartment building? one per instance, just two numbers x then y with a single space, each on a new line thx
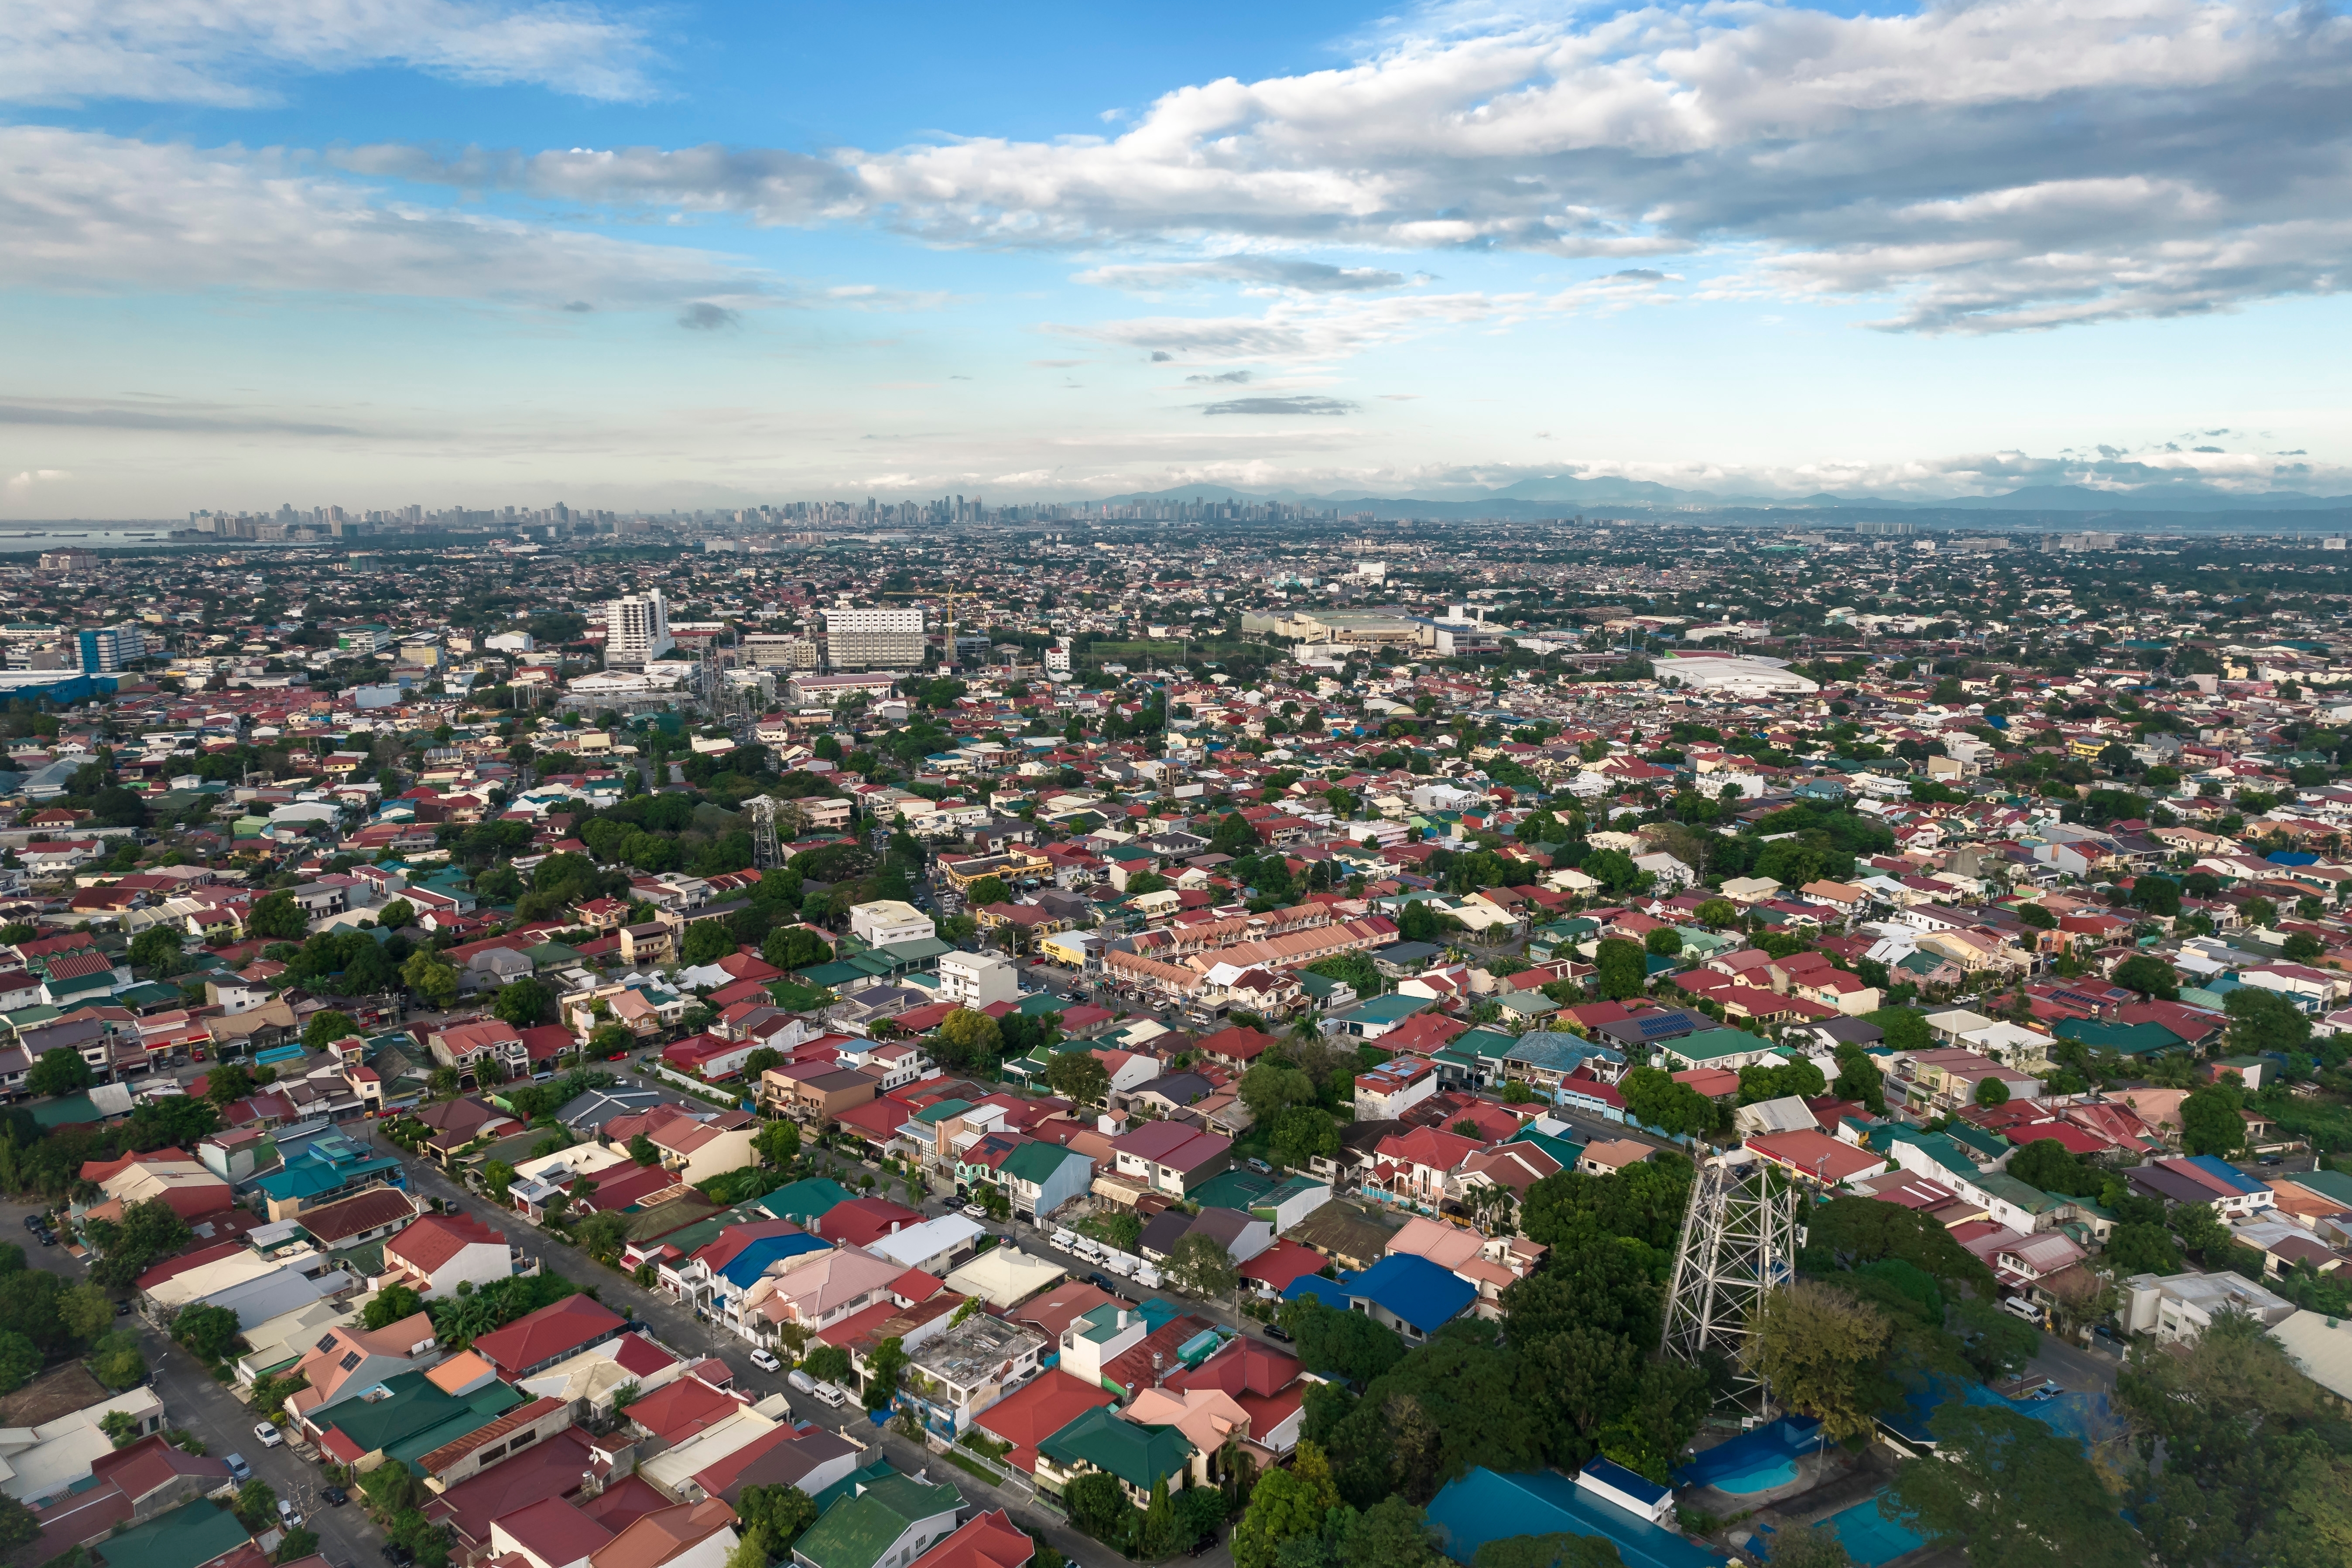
886 921
874 639
978 979
637 630
769 650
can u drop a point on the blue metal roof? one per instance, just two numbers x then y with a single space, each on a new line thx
2223 1170
753 1262
1410 1289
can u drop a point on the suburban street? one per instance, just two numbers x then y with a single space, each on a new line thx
675 1326
193 1400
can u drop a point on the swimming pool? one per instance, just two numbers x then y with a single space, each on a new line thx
1754 1461
1870 1537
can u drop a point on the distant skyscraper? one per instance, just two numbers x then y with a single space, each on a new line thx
637 630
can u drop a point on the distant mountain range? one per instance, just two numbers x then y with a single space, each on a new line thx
1547 497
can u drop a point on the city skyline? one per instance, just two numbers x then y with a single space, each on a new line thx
711 257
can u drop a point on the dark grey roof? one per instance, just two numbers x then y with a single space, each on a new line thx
590 1112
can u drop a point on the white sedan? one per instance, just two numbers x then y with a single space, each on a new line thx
269 1434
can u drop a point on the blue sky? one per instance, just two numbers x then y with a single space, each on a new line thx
499 252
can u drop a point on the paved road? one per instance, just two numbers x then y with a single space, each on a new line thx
2076 1368
193 1400
676 1326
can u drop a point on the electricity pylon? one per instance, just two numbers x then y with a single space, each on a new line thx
1739 1240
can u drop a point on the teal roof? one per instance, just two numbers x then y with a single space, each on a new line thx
194 1532
2129 1039
1391 1009
1038 1003
812 1198
856 1532
1236 1188
1141 1455
1559 1149
1710 1044
324 1164
1036 1160
940 1111
415 1417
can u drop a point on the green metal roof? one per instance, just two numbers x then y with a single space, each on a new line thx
856 1532
810 1198
1141 1455
194 1532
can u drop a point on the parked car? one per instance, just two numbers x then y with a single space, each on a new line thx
765 1360
974 1211
1259 1165
2019 1307
334 1497
269 1435
286 1514
1102 1281
36 1221
800 1381
396 1554
831 1395
1276 1332
122 1309
239 1470
48 1237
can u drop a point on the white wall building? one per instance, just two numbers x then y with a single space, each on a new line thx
637 630
977 979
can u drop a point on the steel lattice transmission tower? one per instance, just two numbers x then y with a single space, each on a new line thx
1740 1239
765 852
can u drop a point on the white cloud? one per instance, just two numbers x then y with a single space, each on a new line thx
2011 163
21 485
224 52
83 211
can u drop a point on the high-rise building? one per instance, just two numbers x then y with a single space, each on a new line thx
637 630
111 648
874 639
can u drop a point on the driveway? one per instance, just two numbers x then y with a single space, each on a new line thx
675 1326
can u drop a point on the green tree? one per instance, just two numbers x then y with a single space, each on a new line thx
1098 1506
1859 1079
276 917
1624 970
2254 1467
1273 1084
20 1360
1347 1345
2263 1021
87 1312
523 1003
1654 1097
1391 1533
119 1428
2135 1246
1717 913
60 1070
1302 1134
2210 1123
227 1082
782 1512
433 982
1817 1347
778 1143
1202 1266
795 947
642 1150
397 914
299 1542
392 1304
256 1506
1904 1028
1996 1344
706 942
18 1527
827 1363
210 1333
984 892
1664 941
1286 1505
1566 1550
883 1370
602 1235
1991 1091
324 1029
1233 835
968 1038
116 1361
1079 1075
157 950
2146 972
2010 1493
